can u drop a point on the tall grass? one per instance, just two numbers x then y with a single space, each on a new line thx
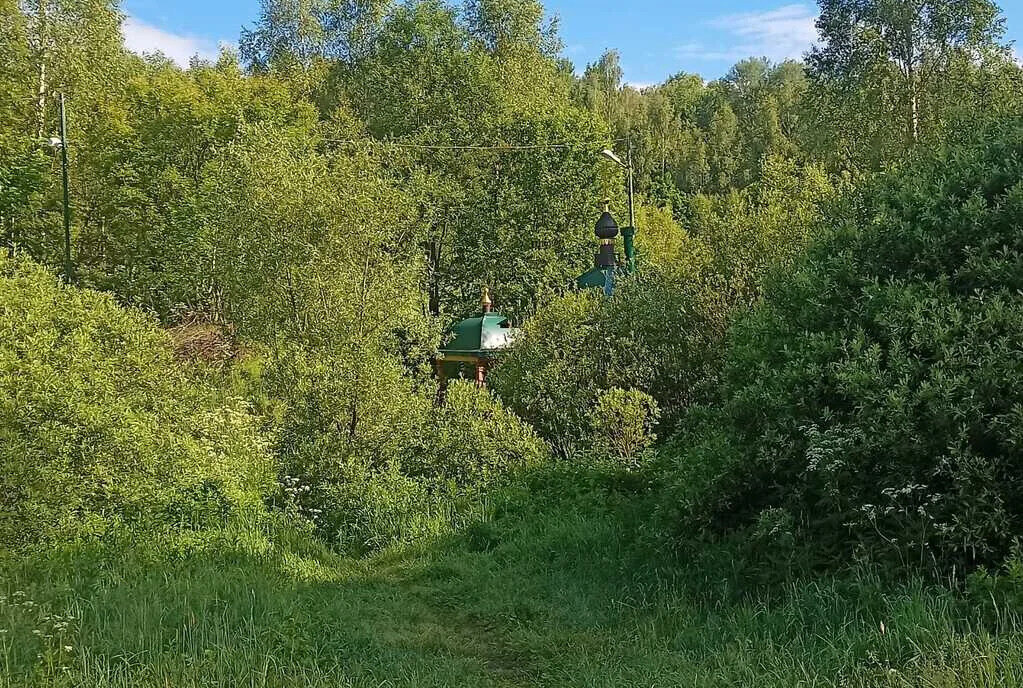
554 596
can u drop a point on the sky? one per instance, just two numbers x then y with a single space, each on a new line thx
656 38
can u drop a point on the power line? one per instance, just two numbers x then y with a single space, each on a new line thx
502 148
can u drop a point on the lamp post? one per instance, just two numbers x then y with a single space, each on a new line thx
60 142
628 233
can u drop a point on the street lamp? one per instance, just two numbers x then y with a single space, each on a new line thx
60 142
628 233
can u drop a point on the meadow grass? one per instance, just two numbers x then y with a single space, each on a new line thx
557 597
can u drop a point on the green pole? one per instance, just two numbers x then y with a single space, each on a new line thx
632 203
68 267
629 233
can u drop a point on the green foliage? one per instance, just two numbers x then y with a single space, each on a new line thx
661 332
874 397
327 202
622 424
441 477
890 75
652 336
291 34
371 459
551 594
472 440
150 170
288 259
998 595
100 431
549 378
688 137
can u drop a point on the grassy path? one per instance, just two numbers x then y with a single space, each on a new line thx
552 602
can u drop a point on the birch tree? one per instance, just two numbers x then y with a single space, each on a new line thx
903 48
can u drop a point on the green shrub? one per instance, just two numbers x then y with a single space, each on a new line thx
554 372
472 440
622 424
100 430
385 464
877 395
997 597
653 335
375 507
347 417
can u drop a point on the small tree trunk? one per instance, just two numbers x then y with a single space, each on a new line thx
914 107
913 103
41 102
42 56
434 258
353 421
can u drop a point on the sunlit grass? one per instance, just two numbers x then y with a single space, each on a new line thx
558 599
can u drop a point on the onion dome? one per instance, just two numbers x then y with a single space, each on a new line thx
607 228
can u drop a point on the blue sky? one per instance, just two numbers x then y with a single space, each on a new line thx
655 38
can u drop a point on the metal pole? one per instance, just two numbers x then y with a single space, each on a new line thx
629 234
68 267
632 207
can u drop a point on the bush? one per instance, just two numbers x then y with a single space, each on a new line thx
472 441
100 430
385 464
441 479
876 397
346 417
622 424
554 372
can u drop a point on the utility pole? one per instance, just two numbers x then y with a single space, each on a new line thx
69 271
632 202
628 233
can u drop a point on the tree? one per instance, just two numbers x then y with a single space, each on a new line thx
50 47
722 151
601 87
103 431
505 25
76 48
904 45
683 91
22 163
748 77
297 33
445 88
873 397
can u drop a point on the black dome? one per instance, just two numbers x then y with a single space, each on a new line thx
607 228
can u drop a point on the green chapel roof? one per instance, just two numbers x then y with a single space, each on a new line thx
487 335
491 333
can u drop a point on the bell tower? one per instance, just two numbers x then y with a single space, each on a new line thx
605 262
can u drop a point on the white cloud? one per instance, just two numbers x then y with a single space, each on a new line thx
640 85
145 39
779 34
694 50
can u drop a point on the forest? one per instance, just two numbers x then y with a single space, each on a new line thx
786 451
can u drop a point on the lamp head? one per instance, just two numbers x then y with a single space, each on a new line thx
609 154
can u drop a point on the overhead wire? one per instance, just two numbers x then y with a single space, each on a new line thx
503 148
